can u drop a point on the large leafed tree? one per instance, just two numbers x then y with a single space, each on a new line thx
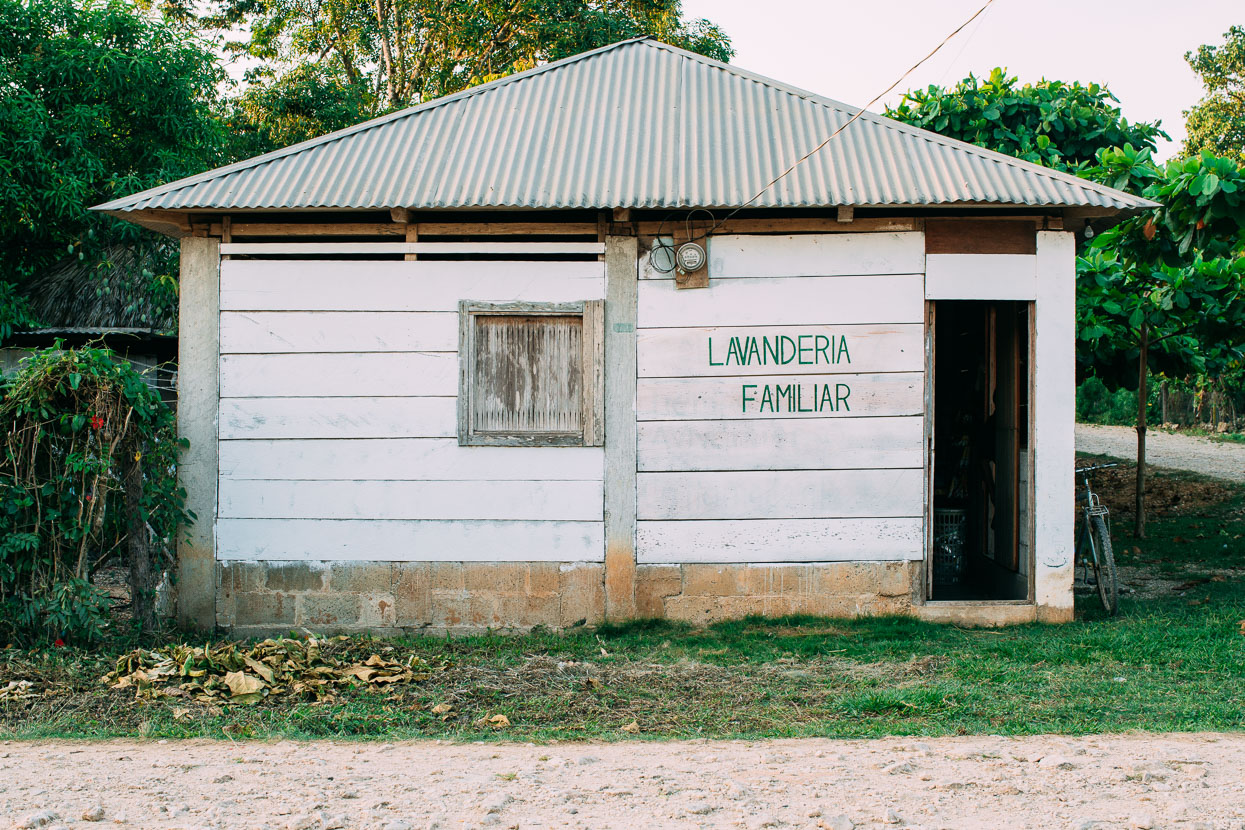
1160 292
1217 122
97 100
317 67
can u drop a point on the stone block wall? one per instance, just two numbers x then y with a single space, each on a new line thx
262 598
708 593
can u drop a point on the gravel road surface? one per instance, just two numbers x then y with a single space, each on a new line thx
1127 781
1179 452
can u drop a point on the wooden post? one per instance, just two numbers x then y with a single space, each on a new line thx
198 403
402 216
1143 361
621 265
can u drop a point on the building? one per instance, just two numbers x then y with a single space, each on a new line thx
456 367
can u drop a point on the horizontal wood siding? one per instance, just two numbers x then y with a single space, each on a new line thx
745 301
530 500
786 444
799 437
339 385
981 277
398 541
795 350
405 459
274 332
780 540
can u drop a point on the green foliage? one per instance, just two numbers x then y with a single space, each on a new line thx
306 102
1096 404
128 107
81 431
1217 122
320 67
1051 123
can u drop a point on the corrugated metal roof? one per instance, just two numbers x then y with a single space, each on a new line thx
637 124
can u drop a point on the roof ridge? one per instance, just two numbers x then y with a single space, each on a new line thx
371 123
898 126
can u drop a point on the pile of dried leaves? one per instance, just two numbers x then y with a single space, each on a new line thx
229 673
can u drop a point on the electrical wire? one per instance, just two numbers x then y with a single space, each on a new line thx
850 121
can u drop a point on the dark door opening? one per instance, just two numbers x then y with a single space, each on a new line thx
981 373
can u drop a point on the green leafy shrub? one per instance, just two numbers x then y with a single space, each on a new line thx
87 471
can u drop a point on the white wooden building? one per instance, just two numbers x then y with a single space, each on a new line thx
454 368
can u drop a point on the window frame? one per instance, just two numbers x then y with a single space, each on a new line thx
592 366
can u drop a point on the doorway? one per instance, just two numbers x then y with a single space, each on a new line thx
981 383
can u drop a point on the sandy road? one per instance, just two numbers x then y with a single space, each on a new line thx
1169 781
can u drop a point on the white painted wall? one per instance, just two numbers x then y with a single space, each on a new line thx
723 478
338 385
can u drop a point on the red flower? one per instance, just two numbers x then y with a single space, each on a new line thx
97 422
59 643
88 496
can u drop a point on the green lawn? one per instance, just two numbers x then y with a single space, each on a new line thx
1174 660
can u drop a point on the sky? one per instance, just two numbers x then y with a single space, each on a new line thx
851 50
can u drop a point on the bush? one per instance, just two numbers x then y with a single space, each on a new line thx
87 471
1095 404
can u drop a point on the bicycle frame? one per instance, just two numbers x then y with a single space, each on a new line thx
1093 506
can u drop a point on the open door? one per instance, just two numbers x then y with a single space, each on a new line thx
979 450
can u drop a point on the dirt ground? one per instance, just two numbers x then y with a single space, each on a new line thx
1179 452
1127 781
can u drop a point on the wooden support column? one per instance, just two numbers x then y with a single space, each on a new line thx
402 216
198 404
621 275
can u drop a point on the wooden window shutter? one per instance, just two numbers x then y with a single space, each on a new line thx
531 374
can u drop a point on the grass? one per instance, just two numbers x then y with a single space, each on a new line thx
1173 660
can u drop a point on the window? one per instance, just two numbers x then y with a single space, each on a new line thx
531 374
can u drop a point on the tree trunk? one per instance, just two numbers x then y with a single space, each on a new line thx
138 545
1143 365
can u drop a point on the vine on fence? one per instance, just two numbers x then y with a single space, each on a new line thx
87 474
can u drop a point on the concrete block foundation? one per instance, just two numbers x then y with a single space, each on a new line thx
265 598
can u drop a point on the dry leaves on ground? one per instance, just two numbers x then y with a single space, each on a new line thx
230 673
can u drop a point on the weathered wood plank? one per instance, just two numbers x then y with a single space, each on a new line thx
980 236
242 418
780 396
815 255
980 277
319 285
760 350
785 301
409 541
330 248
807 224
444 500
789 494
273 332
780 540
780 444
405 459
339 375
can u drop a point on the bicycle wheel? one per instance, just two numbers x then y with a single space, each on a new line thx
1104 566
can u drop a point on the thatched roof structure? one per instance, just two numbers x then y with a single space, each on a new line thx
113 293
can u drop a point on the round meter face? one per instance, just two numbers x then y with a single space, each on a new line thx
691 257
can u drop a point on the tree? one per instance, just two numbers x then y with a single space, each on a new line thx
1217 122
1160 291
129 106
1052 123
1166 289
393 53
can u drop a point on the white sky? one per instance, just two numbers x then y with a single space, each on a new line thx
851 50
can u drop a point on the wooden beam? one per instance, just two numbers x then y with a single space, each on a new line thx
426 229
846 214
400 215
802 225
979 236
413 248
412 236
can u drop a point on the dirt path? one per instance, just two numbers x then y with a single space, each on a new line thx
1130 781
1179 452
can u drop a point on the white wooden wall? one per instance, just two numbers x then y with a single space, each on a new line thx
338 384
721 482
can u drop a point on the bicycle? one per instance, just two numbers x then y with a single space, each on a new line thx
1093 549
